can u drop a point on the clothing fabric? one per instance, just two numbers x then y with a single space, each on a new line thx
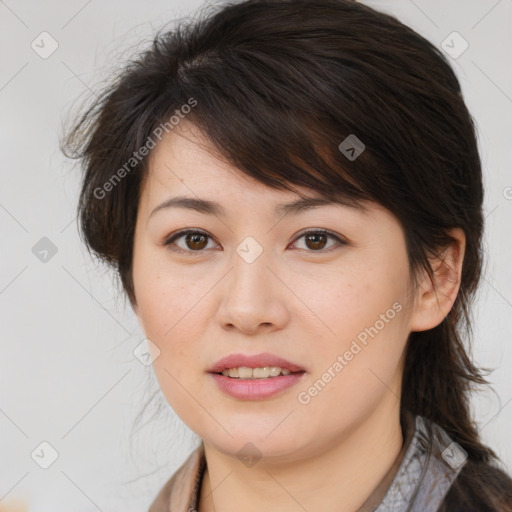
418 481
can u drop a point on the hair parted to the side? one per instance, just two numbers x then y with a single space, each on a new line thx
278 85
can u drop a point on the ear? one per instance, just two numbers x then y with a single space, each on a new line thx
434 301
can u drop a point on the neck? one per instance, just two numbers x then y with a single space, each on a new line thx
346 472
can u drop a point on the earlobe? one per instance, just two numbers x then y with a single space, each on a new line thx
435 297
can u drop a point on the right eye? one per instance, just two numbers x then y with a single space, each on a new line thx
195 241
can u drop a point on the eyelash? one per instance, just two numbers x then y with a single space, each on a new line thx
184 232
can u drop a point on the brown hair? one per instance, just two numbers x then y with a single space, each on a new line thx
278 85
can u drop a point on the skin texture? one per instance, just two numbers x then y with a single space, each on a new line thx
299 300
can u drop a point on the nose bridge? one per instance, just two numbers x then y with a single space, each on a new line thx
250 272
249 282
251 296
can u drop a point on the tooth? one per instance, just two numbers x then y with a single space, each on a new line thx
261 373
244 372
233 372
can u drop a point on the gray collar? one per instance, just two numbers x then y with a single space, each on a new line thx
425 475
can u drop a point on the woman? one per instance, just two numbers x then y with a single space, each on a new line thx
291 193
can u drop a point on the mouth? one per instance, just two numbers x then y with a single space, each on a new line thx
249 386
256 366
255 377
248 373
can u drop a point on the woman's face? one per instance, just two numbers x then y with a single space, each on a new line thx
259 283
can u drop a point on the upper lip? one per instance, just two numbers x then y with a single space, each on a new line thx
253 361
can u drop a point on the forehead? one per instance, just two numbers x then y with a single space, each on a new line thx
186 170
185 155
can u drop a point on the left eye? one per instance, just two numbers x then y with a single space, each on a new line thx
317 239
196 240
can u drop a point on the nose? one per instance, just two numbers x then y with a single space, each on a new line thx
254 298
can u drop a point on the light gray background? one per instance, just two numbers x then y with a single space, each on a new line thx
68 374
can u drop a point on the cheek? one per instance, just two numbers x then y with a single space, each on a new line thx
360 331
162 296
339 309
169 320
358 367
170 314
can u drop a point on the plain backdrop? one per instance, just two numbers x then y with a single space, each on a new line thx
68 376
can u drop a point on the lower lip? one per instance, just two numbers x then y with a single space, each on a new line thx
256 389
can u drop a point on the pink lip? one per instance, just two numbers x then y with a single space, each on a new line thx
254 361
256 389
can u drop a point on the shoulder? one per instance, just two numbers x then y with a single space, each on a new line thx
479 487
476 486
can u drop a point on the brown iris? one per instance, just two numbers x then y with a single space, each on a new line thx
314 238
195 240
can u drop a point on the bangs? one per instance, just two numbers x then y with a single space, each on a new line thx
261 120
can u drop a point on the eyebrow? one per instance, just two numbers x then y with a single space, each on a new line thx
212 208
